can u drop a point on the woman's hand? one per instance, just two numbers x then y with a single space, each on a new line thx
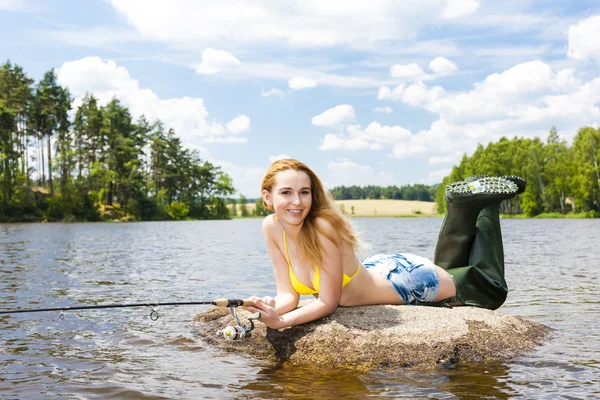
268 314
268 300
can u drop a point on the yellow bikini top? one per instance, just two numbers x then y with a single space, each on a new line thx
301 288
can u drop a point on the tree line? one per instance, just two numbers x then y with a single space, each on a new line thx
96 162
561 178
409 192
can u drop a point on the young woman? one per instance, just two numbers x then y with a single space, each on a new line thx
313 251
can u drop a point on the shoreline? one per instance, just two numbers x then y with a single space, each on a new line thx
384 208
368 208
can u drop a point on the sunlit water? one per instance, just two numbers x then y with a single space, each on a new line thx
552 270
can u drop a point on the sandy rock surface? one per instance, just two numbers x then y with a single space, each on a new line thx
372 336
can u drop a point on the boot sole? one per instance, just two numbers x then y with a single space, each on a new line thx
488 188
517 180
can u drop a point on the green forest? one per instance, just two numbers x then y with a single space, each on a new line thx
561 178
409 192
96 163
101 165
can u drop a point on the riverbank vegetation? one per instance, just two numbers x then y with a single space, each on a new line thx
95 163
561 178
417 192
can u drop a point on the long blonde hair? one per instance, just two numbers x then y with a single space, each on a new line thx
323 206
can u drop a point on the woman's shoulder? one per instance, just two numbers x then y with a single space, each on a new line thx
269 223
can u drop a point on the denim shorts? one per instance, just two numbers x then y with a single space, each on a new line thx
414 278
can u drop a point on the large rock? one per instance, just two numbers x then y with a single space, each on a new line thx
371 336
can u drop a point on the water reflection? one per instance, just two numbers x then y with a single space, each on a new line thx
283 381
489 381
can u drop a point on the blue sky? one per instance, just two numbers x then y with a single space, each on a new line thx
365 92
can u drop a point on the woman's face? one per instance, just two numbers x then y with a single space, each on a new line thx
291 196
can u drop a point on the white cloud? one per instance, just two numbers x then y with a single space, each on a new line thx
279 157
343 143
374 137
411 71
293 76
417 93
188 116
308 23
414 94
272 92
239 124
388 135
525 100
442 160
446 139
384 110
408 150
216 61
583 39
438 175
13 5
222 139
442 66
459 8
335 116
346 172
299 83
512 94
440 138
385 93
287 73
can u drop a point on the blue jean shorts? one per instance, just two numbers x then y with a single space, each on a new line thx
414 278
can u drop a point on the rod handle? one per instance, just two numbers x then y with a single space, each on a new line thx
233 303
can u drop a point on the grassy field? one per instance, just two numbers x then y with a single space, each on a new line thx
381 208
387 208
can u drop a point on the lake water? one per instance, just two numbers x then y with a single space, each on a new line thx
552 269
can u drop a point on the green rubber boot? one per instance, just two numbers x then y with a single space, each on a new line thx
464 201
481 282
470 242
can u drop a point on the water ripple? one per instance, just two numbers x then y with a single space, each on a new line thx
550 268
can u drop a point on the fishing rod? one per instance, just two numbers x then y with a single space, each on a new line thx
234 332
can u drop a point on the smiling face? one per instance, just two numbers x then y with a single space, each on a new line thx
291 196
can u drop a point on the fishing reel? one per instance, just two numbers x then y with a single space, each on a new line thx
239 331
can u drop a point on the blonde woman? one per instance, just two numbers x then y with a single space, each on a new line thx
313 251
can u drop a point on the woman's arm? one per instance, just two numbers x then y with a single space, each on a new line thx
330 288
286 299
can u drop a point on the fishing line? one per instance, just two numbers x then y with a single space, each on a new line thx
217 302
239 331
